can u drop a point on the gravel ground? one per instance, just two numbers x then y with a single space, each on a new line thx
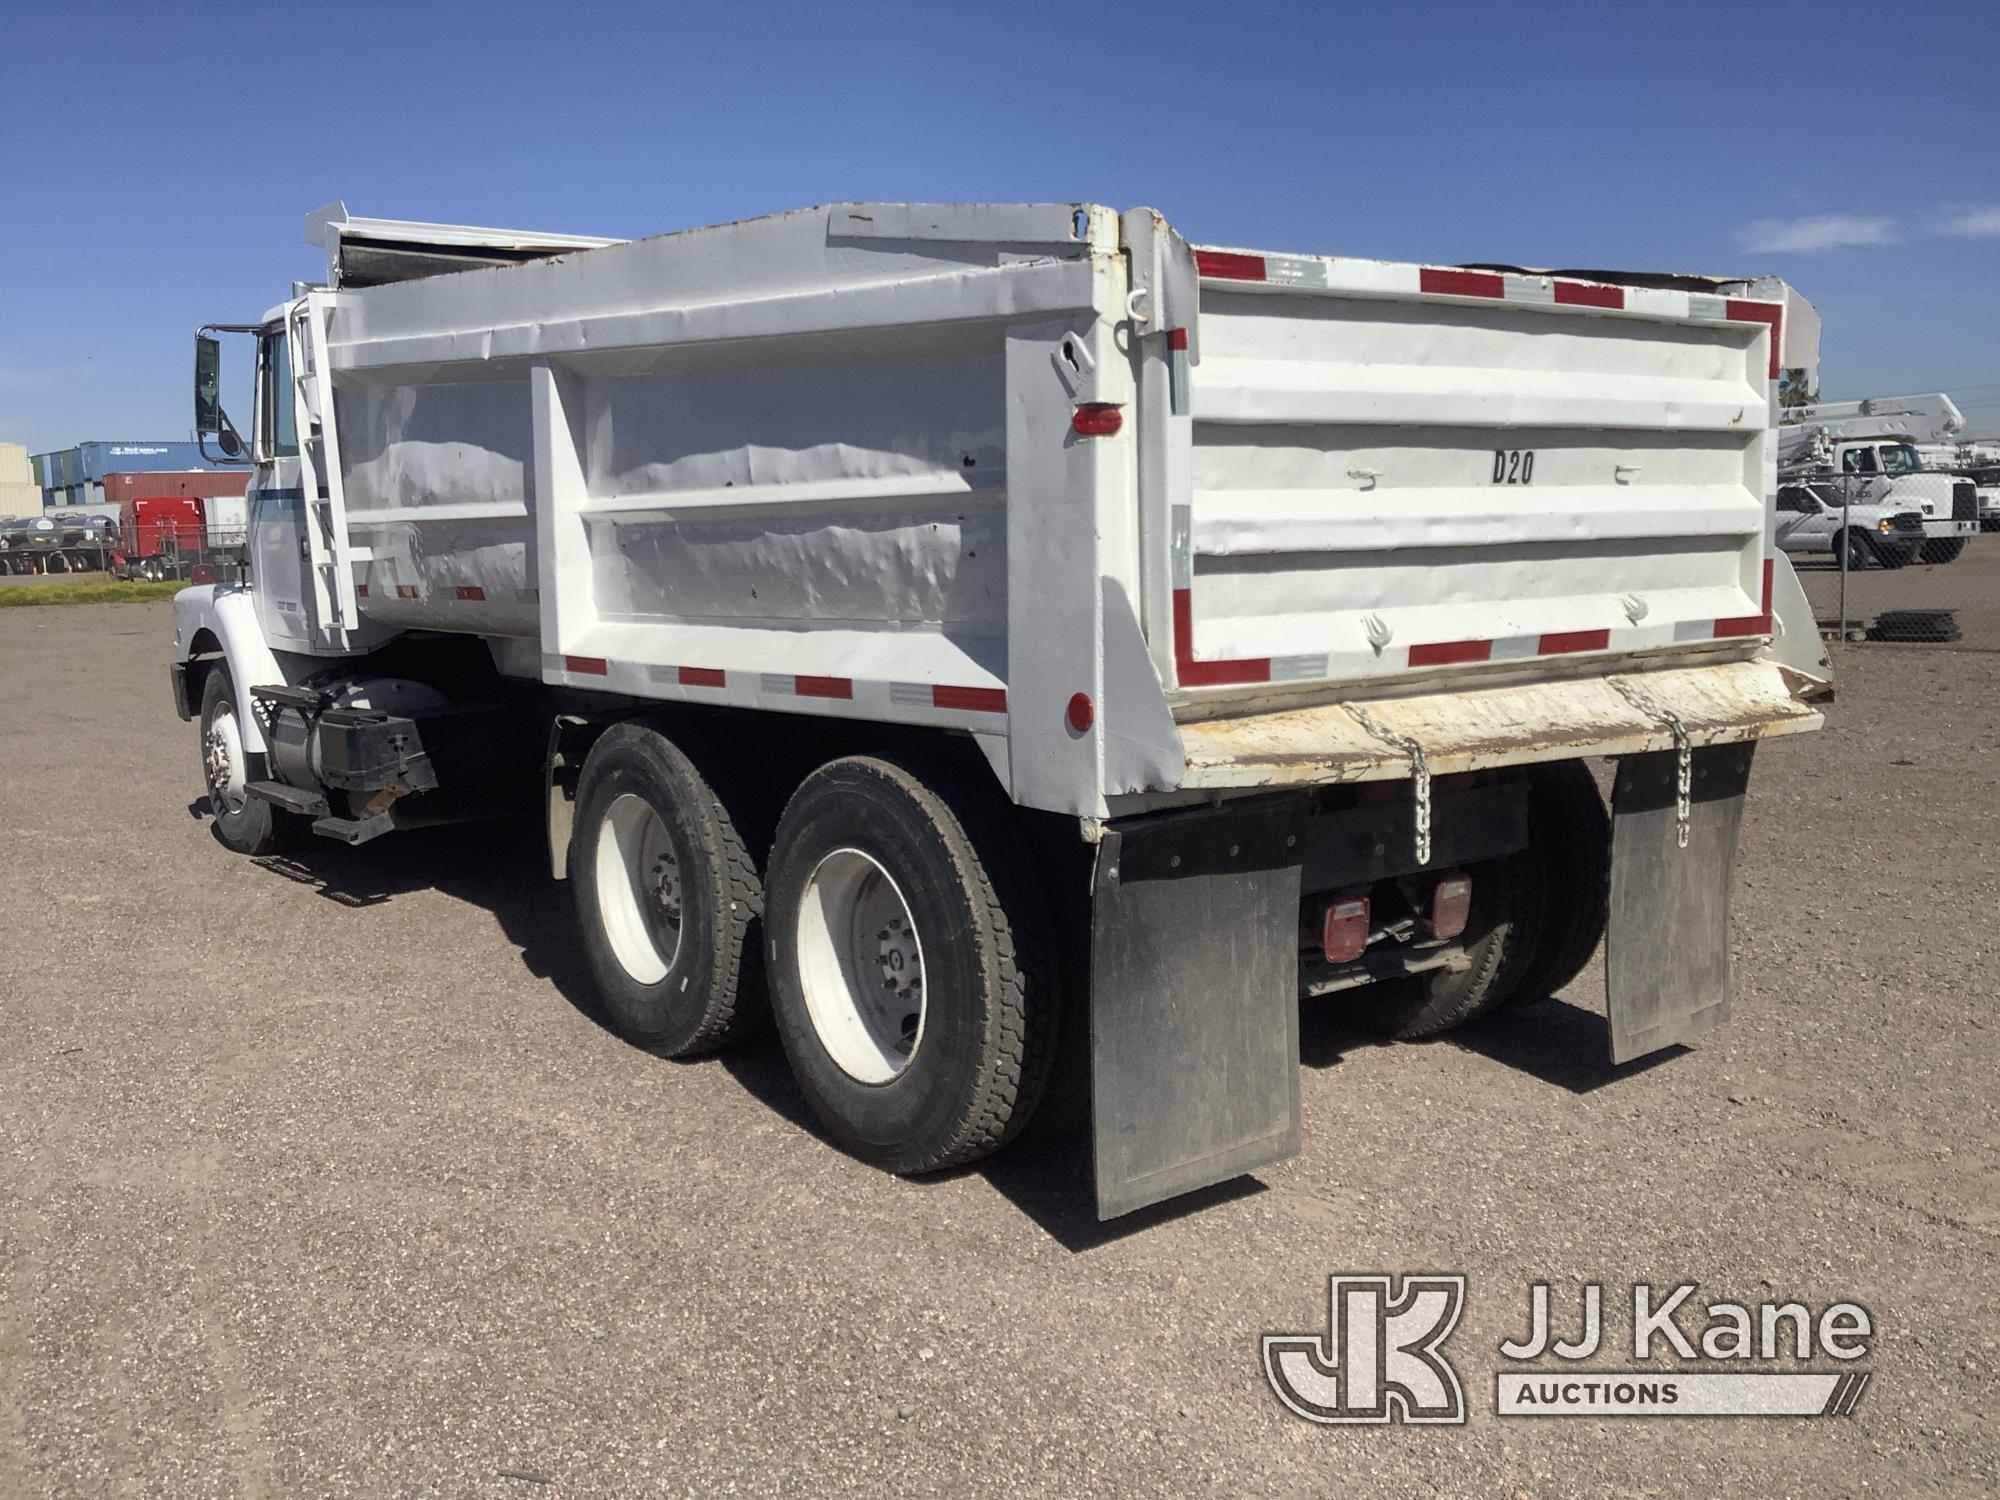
321 1179
1968 586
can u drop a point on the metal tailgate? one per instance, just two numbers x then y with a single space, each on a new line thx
1392 470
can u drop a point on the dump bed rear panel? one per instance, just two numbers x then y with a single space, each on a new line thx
1398 470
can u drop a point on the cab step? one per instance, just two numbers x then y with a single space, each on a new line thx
293 799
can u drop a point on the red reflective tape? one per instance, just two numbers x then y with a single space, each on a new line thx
1228 266
1750 624
1740 311
406 591
1562 642
1177 338
703 677
1460 283
594 666
1194 673
1445 653
1589 294
979 700
361 591
823 687
470 591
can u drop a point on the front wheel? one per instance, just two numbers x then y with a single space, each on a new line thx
912 975
243 823
1857 549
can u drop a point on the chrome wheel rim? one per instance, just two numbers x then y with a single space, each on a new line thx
222 761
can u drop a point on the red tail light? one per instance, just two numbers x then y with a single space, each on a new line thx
1451 905
1096 419
1344 934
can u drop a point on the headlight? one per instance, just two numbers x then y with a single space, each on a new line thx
1885 524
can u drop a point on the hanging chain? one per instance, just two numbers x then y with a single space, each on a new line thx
1683 754
1420 768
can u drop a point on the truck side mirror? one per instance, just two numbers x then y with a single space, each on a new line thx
207 384
209 417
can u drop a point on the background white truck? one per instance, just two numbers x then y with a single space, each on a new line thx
1022 638
1870 449
1814 517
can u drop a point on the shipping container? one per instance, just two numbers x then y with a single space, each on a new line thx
197 484
14 465
96 460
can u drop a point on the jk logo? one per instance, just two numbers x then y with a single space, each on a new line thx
1381 1363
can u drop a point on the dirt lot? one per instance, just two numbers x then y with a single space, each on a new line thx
1969 586
323 1180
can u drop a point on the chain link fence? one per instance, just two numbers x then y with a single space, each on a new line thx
190 554
1897 562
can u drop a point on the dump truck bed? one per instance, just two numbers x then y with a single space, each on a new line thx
835 462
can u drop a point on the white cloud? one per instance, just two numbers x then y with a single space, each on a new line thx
1972 222
1825 232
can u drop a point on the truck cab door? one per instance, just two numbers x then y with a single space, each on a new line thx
1798 511
277 538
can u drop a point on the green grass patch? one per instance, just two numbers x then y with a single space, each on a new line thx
87 593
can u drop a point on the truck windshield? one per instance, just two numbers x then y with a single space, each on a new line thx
1900 458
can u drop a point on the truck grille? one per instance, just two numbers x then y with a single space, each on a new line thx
1965 501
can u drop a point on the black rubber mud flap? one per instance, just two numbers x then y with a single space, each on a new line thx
1666 951
1194 1011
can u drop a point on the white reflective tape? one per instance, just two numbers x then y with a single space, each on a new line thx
910 694
778 682
1299 668
1514 647
1656 301
1182 546
1701 305
1294 270
1528 288
1694 630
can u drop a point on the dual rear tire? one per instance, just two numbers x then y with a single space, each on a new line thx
908 956
1537 917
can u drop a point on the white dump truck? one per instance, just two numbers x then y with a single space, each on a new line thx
990 638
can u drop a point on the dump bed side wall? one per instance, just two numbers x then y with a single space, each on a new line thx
791 464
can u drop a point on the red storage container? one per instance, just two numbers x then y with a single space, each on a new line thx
154 526
175 484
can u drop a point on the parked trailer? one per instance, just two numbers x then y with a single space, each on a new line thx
173 536
55 542
1018 635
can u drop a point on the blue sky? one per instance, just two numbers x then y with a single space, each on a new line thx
159 159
